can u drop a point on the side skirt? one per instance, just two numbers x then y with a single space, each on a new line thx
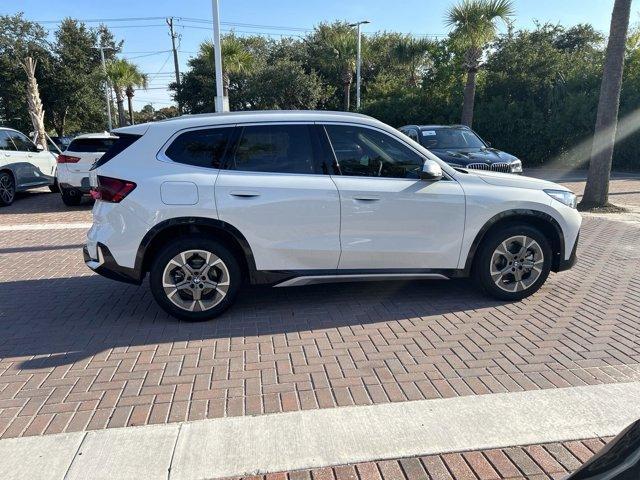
315 279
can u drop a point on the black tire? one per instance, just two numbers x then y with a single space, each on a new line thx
7 189
186 297
71 197
54 188
506 274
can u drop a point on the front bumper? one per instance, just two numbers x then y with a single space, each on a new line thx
571 261
106 266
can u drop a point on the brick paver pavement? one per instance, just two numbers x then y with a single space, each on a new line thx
80 352
533 462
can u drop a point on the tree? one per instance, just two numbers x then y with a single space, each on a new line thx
596 192
412 53
236 59
33 101
475 25
343 45
123 75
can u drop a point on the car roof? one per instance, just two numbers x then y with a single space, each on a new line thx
203 119
101 135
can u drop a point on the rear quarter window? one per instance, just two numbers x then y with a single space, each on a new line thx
122 142
91 145
201 148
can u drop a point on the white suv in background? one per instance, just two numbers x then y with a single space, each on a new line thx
205 202
75 162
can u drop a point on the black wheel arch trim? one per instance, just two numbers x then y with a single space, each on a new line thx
152 234
516 214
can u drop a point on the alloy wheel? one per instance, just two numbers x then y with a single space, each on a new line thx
516 263
7 189
196 280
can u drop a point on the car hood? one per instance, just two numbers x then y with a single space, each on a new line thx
516 181
466 156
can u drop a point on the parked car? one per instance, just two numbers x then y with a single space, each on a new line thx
23 165
74 164
460 146
203 202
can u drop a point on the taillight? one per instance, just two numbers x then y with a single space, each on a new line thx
62 158
112 189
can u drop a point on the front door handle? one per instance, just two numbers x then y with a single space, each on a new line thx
364 198
244 194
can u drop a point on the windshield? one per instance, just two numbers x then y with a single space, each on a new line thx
450 138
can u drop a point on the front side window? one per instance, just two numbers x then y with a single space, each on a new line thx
201 148
370 153
22 142
275 148
5 141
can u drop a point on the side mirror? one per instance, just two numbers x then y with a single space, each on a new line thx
431 171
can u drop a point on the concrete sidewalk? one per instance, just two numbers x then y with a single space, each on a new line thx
227 447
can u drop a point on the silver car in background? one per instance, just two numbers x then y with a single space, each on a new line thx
23 165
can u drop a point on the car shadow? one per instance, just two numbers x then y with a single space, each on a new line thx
41 200
53 322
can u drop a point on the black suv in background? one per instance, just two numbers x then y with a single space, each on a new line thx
460 146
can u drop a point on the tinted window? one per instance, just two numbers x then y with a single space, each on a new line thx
370 153
22 142
91 145
450 138
275 148
202 148
5 142
124 141
412 134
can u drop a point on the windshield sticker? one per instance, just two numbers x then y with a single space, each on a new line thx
428 133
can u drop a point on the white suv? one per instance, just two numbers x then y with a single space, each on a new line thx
75 162
205 202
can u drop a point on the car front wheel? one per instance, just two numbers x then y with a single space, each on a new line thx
513 262
195 278
7 189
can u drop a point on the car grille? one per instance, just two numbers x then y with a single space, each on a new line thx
495 167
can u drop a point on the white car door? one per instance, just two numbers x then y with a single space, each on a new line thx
390 218
274 192
40 164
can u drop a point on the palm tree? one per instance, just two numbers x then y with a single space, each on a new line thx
343 46
124 76
411 52
596 192
34 103
474 25
236 59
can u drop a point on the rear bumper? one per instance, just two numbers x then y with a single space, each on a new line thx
76 180
106 266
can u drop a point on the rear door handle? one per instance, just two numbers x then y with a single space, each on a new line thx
244 194
366 198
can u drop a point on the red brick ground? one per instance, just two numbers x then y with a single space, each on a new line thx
534 462
80 352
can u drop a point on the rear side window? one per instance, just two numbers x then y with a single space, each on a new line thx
275 148
124 141
201 148
22 142
91 145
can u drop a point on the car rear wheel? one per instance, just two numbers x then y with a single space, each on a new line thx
195 278
7 189
71 197
513 262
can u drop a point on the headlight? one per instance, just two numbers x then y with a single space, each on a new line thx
516 166
563 196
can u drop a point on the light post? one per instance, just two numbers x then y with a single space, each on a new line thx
359 61
106 84
222 104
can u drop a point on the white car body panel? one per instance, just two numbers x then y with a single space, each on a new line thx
314 222
77 174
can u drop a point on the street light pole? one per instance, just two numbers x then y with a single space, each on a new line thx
359 61
106 86
221 102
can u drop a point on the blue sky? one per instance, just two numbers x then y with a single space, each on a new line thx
147 41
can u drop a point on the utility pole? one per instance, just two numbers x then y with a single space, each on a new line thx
359 61
222 103
176 67
106 86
